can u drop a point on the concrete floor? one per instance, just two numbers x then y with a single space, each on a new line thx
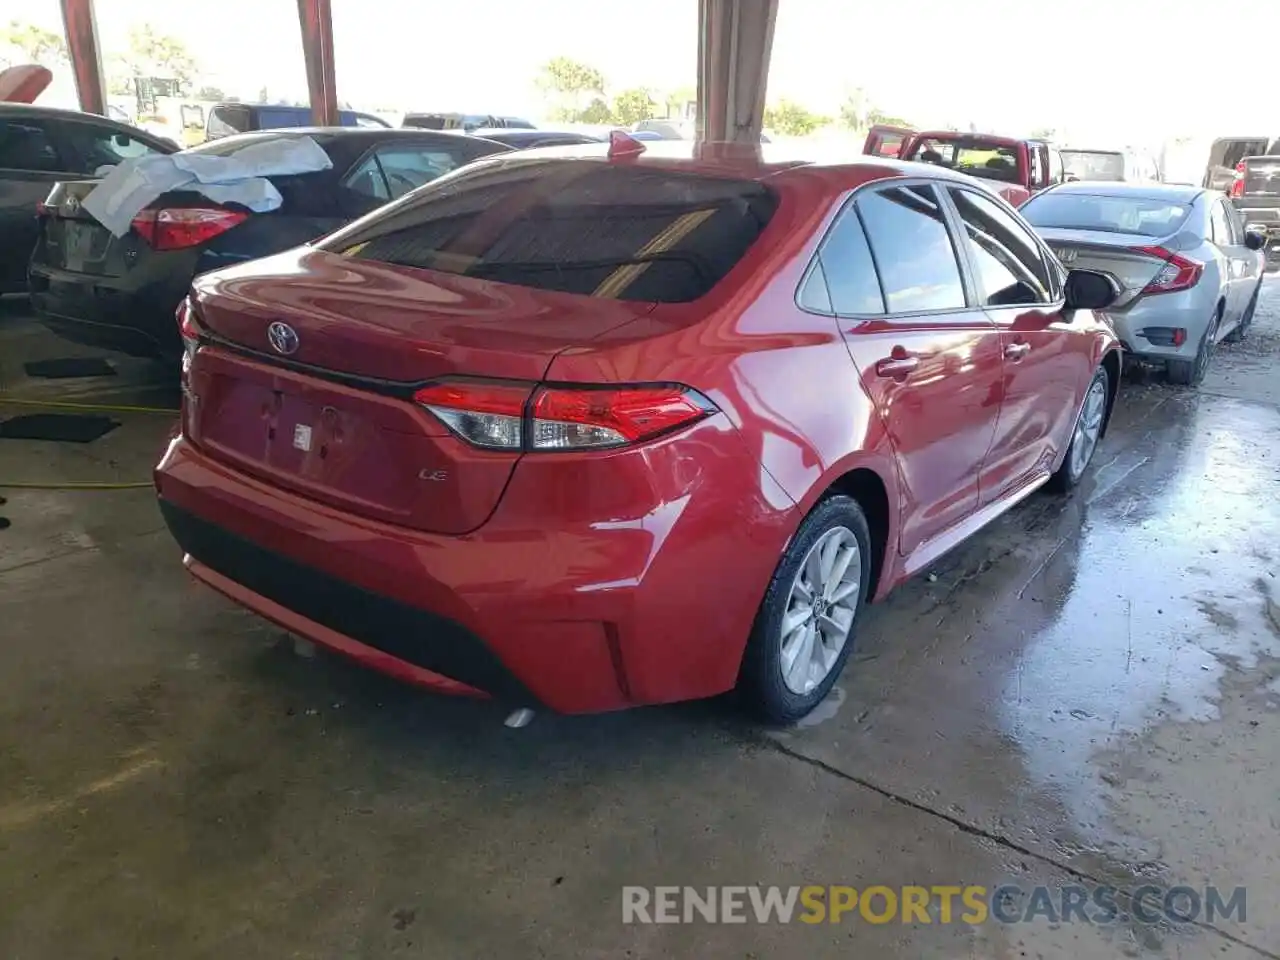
1089 692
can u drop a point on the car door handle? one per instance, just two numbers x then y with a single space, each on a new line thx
896 366
1016 351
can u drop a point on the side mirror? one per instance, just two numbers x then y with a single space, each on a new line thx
1088 290
1255 240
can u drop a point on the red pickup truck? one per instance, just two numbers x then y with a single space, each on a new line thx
1018 167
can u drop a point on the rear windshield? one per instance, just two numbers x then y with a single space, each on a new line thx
971 155
1094 164
1079 211
575 226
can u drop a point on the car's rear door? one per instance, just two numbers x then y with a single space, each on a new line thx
1241 264
1045 367
927 356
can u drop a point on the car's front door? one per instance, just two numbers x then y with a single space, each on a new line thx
928 357
30 164
1045 367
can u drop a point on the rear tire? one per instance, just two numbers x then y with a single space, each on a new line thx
1242 328
786 673
1189 373
1085 435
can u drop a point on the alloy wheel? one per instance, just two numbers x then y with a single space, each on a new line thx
1088 427
820 609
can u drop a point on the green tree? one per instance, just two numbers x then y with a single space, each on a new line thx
36 44
632 106
790 119
854 110
877 117
572 86
597 111
211 93
153 54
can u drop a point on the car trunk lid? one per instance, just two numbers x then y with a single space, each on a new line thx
73 241
1133 259
327 411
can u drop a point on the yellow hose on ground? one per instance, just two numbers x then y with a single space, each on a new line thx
81 484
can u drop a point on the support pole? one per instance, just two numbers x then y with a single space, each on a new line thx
735 39
316 19
81 27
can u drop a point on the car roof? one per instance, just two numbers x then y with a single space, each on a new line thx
776 163
1171 192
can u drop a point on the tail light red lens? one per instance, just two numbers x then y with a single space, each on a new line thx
1178 272
184 227
506 417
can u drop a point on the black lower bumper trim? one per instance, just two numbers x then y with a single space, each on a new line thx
415 636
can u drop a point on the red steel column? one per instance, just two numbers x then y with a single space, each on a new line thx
86 58
316 19
735 38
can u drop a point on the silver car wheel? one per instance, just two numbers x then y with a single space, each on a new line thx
820 609
1088 427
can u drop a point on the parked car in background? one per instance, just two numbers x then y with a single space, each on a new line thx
1188 272
40 146
518 139
120 292
388 435
467 122
1224 158
228 119
1255 193
1017 167
1109 165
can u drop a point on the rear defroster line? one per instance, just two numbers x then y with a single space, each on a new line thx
78 484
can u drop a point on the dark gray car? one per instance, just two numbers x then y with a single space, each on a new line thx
40 146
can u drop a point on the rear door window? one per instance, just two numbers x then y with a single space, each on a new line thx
27 145
908 234
577 226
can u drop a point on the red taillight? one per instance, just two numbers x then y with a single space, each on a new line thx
184 227
43 209
1178 272
506 417
1237 185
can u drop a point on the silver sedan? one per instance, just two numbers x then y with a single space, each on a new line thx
1187 271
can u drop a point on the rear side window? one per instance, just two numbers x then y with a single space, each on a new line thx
850 271
908 235
577 226
96 147
26 145
274 119
227 121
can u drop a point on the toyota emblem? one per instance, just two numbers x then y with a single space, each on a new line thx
284 339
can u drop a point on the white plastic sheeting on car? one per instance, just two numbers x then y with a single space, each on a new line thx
239 177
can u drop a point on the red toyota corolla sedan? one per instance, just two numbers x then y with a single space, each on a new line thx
590 429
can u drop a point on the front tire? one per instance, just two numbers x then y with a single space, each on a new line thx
807 623
1086 434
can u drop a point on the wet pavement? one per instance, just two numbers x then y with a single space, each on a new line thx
1088 693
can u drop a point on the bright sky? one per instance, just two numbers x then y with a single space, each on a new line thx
1005 65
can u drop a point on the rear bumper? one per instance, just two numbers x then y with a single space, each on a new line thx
1189 311
112 312
577 617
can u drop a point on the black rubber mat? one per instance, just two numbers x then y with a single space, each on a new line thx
64 427
65 368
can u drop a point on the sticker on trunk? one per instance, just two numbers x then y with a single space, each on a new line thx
302 437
